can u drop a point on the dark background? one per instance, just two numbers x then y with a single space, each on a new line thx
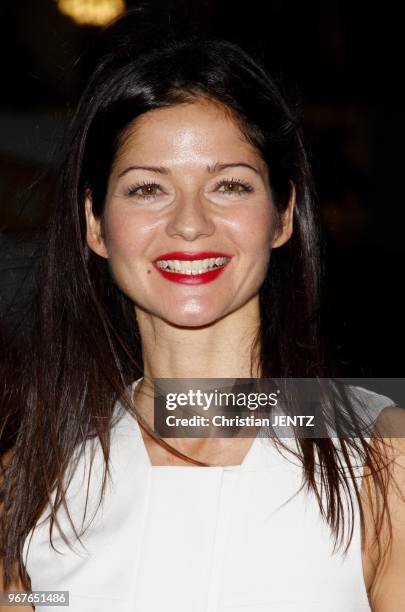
342 60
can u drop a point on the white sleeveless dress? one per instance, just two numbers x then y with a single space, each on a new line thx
197 539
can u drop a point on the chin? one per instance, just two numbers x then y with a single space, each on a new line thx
197 319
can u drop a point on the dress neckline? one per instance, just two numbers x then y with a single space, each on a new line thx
247 462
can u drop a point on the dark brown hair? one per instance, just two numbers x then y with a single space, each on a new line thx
84 347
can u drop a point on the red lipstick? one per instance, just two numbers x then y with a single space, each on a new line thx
190 256
191 279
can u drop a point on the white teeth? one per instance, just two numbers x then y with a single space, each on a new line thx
197 266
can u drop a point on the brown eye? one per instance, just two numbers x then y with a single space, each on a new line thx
144 191
234 187
149 189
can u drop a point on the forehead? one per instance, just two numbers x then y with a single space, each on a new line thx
187 130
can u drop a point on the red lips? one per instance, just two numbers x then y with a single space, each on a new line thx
189 256
191 279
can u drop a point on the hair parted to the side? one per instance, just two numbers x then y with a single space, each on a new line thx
85 349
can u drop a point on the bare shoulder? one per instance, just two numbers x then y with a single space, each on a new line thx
384 542
17 584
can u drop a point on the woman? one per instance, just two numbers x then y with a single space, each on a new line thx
179 152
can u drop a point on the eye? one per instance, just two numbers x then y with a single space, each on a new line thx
234 187
146 190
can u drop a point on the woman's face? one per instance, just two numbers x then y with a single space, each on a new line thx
186 185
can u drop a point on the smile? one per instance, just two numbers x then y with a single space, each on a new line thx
191 271
198 266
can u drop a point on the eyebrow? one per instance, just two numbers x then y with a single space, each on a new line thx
210 169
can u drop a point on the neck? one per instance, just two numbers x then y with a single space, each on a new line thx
220 350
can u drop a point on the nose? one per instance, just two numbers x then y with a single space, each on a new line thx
190 218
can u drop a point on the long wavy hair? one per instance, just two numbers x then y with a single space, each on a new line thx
84 349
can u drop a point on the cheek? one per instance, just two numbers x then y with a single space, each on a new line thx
254 228
126 236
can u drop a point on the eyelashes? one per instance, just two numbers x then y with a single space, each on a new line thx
133 190
151 187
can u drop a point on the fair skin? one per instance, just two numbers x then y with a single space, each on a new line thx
384 576
188 330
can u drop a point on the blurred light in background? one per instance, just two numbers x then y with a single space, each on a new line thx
91 12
